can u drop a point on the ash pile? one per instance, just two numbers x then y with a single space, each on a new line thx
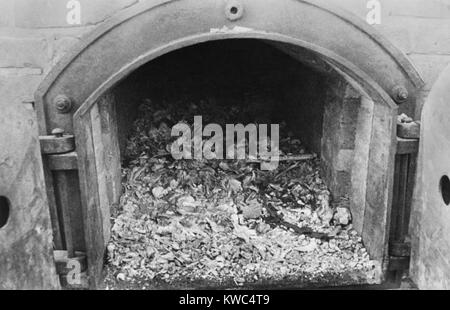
227 223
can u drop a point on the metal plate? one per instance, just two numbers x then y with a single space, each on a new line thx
26 258
431 212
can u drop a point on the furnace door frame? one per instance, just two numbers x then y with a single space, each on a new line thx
152 28
87 124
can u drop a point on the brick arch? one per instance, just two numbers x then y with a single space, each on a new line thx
153 28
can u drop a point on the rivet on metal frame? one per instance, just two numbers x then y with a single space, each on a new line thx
62 103
400 94
234 10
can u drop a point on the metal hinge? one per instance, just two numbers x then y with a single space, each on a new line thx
400 253
59 150
57 143
400 249
398 263
409 130
408 135
60 162
407 146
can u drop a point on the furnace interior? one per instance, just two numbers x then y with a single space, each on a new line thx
271 83
277 84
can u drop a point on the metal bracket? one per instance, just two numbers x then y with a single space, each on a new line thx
57 143
400 249
59 162
409 130
407 146
398 263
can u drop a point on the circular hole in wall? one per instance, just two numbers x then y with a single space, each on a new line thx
234 10
445 189
4 211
